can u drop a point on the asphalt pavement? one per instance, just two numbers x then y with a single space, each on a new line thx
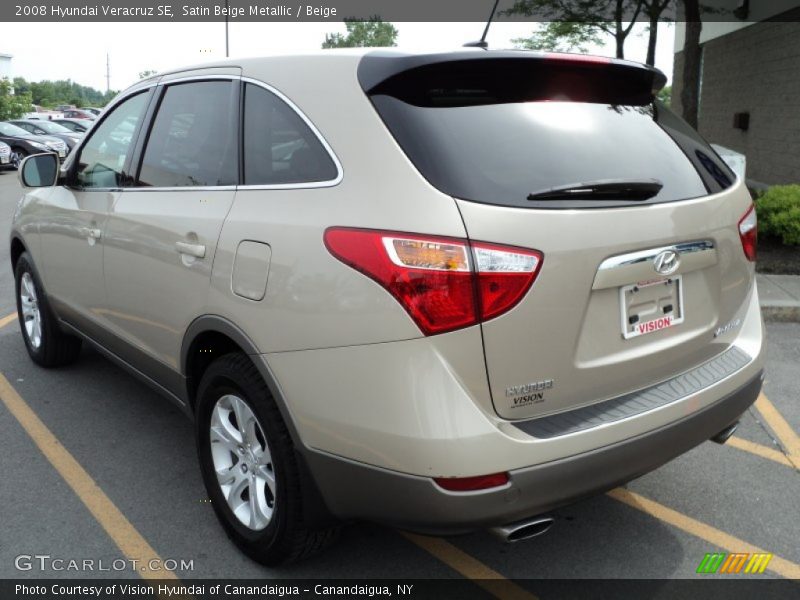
139 452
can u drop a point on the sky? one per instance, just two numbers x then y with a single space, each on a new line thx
136 47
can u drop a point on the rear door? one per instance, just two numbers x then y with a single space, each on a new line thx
635 215
161 234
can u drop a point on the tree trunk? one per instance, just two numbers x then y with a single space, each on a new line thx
619 34
691 63
651 43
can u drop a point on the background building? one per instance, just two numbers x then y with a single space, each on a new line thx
5 65
750 86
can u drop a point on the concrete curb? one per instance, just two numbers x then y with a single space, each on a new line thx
781 314
779 296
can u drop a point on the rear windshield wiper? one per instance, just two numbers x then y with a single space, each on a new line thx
603 189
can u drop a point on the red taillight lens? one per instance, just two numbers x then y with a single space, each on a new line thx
748 232
443 283
471 484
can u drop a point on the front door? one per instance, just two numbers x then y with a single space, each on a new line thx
73 235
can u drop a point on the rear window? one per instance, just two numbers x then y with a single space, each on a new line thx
503 130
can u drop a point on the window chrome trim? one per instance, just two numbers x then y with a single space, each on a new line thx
278 186
187 188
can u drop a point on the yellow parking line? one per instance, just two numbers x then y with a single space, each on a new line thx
128 540
782 429
470 567
8 319
759 450
781 566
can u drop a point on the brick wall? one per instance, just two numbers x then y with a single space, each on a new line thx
755 70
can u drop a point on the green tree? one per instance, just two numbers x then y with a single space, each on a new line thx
665 95
53 93
561 36
147 73
592 15
13 106
372 33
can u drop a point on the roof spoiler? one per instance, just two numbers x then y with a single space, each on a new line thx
508 76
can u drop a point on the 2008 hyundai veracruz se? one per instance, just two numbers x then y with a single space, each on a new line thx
443 292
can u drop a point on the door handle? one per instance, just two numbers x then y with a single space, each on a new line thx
196 250
90 232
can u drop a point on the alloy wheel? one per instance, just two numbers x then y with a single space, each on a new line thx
31 313
242 462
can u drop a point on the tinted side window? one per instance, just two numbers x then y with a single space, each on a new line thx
193 138
279 148
104 153
715 173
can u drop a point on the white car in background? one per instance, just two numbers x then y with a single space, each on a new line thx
5 156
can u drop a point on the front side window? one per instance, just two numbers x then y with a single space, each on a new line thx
193 138
103 156
279 148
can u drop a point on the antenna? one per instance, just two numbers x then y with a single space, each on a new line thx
108 73
482 43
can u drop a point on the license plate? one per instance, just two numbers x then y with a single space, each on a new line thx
3 160
651 306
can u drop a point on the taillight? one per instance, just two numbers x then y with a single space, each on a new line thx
443 283
748 232
471 484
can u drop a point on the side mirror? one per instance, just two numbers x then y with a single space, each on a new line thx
39 170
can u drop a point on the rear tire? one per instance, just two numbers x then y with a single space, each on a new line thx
249 468
47 345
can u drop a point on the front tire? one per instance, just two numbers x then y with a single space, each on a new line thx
47 345
249 466
17 156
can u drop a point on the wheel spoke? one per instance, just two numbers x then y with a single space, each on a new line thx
235 500
260 511
243 416
265 474
222 430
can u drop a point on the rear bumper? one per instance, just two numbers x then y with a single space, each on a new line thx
354 490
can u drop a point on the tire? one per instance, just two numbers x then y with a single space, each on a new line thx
17 156
47 345
271 529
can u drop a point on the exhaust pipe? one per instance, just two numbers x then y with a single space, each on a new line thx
523 530
726 433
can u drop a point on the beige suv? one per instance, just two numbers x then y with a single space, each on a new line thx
443 292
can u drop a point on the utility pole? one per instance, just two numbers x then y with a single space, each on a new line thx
108 73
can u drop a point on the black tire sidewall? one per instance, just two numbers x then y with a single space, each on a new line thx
220 379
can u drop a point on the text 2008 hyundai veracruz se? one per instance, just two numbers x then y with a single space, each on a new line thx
443 292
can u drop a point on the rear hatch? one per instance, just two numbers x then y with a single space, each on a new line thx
636 216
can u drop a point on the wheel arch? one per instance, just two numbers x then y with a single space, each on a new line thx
16 250
218 336
209 337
